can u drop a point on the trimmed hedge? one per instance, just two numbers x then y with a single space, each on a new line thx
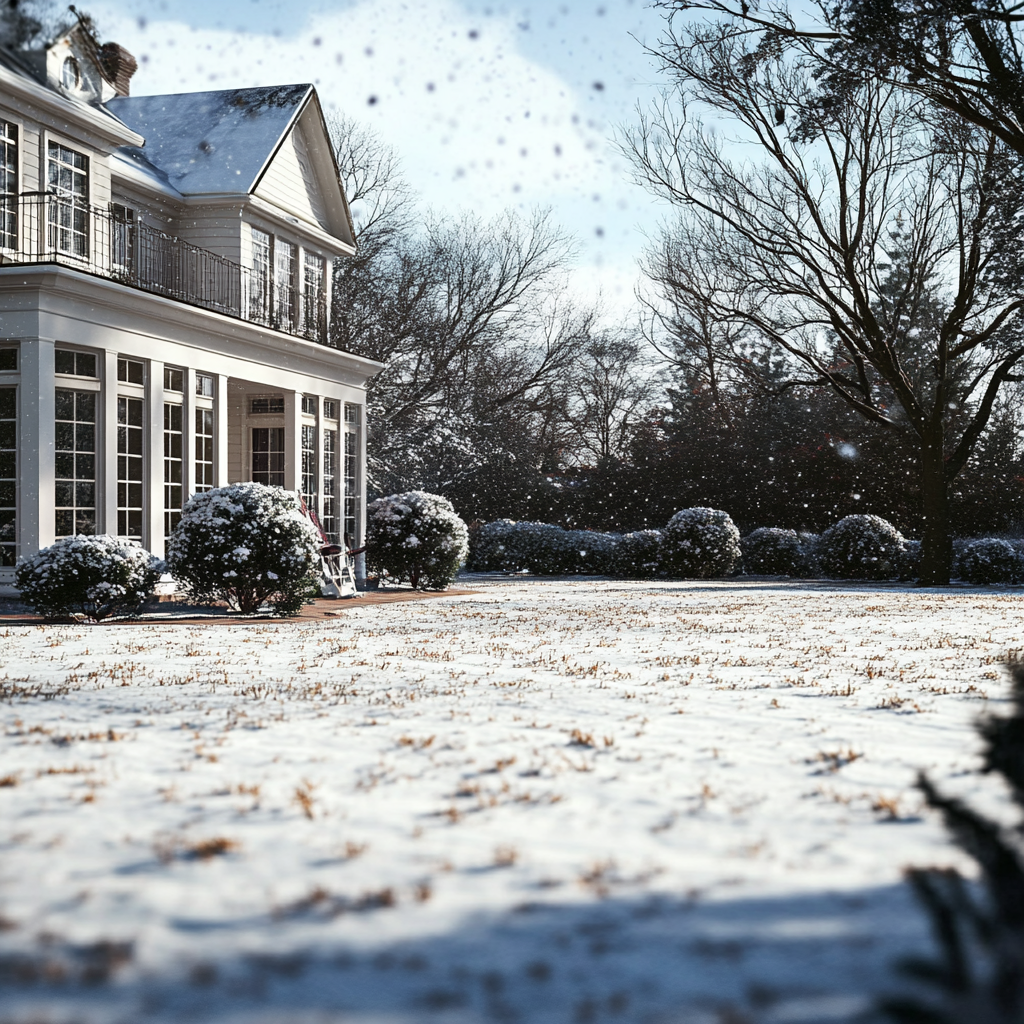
862 547
638 555
989 560
769 551
700 543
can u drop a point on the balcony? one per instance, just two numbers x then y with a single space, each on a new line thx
45 228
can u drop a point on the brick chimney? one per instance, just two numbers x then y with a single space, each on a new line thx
118 67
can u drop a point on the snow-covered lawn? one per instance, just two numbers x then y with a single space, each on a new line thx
552 801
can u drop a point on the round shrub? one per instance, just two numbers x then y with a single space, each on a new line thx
249 545
990 560
638 555
700 543
769 551
94 577
862 547
417 537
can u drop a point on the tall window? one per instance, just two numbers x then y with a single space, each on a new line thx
284 259
8 476
129 467
313 295
8 185
204 450
329 518
75 463
308 464
259 282
268 456
351 474
68 219
173 467
122 241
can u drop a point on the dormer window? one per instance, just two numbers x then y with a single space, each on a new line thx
70 75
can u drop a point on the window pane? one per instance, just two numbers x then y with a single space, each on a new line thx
8 189
75 463
173 468
204 449
174 380
8 356
64 361
129 466
85 364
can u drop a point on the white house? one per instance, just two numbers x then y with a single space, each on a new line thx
165 274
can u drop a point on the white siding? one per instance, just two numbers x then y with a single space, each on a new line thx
290 183
236 436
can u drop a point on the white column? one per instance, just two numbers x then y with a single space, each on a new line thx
35 446
361 490
106 475
154 464
188 436
292 440
220 428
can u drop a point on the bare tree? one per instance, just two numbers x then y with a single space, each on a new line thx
803 235
468 316
964 56
708 354
611 389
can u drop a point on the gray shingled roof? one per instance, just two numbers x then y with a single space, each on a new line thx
211 143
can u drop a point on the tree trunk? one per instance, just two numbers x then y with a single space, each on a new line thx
936 543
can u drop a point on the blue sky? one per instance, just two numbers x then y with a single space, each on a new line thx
490 105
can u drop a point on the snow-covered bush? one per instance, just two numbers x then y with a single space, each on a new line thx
417 537
249 545
769 551
638 555
700 543
862 547
487 547
910 561
591 551
540 548
95 577
989 560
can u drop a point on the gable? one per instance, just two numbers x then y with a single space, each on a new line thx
290 181
302 178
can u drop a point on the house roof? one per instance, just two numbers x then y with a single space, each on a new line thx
211 143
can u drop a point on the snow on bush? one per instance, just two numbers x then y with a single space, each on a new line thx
94 577
249 545
417 537
770 551
487 547
862 547
700 543
989 560
540 548
638 555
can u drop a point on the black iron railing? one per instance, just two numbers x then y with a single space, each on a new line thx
44 227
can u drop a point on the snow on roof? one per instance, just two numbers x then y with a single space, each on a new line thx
131 164
210 143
